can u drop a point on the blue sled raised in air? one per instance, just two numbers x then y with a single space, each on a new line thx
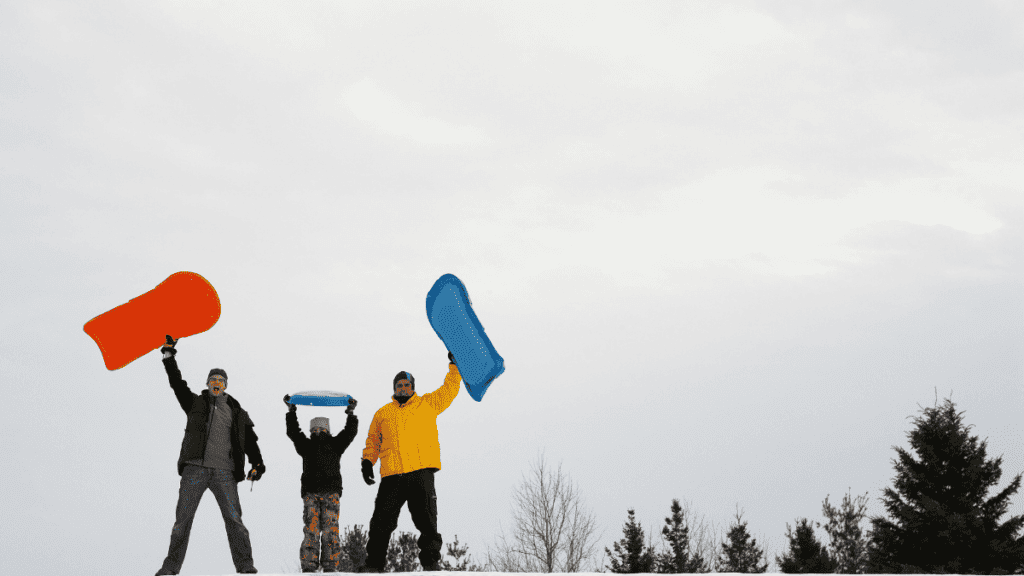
451 315
319 398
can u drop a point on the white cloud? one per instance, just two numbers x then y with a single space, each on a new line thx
383 111
735 217
917 202
650 46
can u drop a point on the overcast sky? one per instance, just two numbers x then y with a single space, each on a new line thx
726 250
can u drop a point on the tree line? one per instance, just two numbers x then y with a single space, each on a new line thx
940 518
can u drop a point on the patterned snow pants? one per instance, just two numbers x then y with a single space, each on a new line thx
321 546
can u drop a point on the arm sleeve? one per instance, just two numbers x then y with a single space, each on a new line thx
180 387
442 398
298 437
252 449
345 437
373 440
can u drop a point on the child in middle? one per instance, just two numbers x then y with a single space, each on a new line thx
321 485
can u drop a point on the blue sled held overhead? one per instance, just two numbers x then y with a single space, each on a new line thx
451 315
319 398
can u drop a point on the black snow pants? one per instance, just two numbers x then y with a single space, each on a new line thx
416 488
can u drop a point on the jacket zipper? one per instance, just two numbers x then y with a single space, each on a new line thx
209 427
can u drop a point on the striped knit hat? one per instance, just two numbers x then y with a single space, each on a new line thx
320 422
403 375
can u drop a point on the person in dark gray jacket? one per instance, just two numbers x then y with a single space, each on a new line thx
218 436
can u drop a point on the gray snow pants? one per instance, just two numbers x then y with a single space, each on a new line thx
195 480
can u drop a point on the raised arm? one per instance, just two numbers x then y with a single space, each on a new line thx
291 424
180 387
345 437
442 398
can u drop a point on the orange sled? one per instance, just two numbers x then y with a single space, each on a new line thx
182 305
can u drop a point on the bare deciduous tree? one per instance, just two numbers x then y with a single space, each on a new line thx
553 530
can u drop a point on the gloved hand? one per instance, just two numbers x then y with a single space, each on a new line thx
351 405
451 358
291 407
368 473
257 472
168 347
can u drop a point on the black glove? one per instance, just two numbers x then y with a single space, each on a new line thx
257 472
291 407
168 346
451 359
351 406
368 473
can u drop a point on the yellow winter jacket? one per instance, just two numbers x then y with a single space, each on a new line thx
405 436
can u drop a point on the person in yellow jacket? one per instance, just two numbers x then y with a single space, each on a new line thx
403 435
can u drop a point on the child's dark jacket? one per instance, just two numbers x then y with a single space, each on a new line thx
321 460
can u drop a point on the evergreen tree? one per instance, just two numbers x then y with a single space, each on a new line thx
680 556
847 542
940 518
460 554
353 549
403 553
631 556
806 554
740 552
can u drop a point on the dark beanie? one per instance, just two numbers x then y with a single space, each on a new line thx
403 375
219 371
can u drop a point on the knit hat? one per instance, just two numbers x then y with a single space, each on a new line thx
320 422
403 375
219 371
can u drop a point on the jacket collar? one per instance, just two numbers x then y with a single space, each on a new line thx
227 398
414 398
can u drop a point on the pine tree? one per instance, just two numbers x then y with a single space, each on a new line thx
848 544
460 554
353 549
631 556
403 553
939 516
806 554
680 556
740 552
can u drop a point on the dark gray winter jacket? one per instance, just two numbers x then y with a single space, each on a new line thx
197 407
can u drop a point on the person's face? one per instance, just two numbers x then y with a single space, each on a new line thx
216 384
403 388
319 430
